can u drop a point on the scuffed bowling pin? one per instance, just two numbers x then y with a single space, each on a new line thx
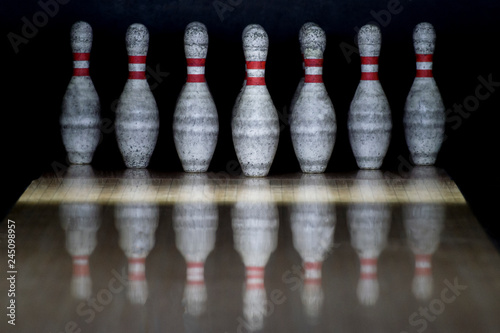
196 124
313 125
369 118
424 117
137 118
80 117
255 125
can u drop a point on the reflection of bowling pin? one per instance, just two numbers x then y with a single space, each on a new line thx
423 224
255 232
369 118
368 224
137 117
312 123
80 220
80 117
313 226
196 124
136 223
424 116
195 225
255 125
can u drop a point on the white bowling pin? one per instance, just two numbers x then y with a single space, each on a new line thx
255 125
369 118
313 125
137 117
196 124
424 117
80 117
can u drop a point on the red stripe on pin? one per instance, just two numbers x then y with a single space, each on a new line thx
369 60
256 81
315 282
196 78
195 283
424 57
312 265
368 261
81 71
310 78
197 62
139 276
194 265
313 62
136 59
423 271
369 76
251 286
137 75
368 276
256 65
80 270
81 56
139 260
424 73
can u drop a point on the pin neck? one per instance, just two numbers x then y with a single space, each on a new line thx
368 268
256 71
369 68
422 264
254 277
312 273
137 67
137 269
194 274
81 63
313 70
195 69
424 65
80 266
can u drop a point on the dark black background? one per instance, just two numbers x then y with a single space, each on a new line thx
35 78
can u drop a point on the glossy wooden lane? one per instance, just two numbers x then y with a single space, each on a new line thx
139 251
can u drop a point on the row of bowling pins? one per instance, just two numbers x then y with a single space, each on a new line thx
255 124
255 223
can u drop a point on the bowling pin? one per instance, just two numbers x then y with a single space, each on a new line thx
424 116
255 125
312 123
196 124
137 118
80 117
369 118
